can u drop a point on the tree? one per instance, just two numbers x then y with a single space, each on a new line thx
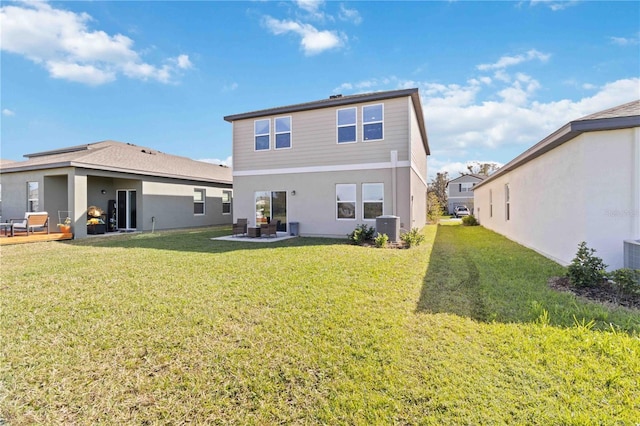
434 208
484 169
438 187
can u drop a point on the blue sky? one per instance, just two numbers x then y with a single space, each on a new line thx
494 77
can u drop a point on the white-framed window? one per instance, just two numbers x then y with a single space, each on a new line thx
226 202
465 186
507 202
33 197
372 122
199 196
346 201
262 133
372 200
283 132
491 203
346 119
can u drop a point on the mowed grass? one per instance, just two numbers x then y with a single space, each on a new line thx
173 328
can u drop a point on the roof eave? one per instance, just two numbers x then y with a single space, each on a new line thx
109 169
564 134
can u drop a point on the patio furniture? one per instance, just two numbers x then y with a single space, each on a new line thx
253 232
240 227
269 229
7 228
32 222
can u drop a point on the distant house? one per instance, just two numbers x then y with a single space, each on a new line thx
581 183
460 191
137 188
332 164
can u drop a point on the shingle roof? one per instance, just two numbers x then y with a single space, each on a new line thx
620 117
123 157
339 100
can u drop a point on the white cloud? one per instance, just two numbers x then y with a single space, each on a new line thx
7 112
454 168
312 41
230 87
473 119
226 162
625 41
555 5
62 42
509 61
349 15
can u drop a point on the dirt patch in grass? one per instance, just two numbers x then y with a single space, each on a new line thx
605 294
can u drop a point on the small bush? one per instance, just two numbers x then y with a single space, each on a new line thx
381 240
434 209
626 280
362 234
412 238
470 221
586 269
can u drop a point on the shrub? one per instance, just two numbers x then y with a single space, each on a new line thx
381 240
362 234
586 269
434 209
470 221
626 280
413 237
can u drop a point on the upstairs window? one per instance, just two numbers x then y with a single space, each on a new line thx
466 186
372 200
372 122
283 132
226 202
198 201
346 201
33 197
262 131
346 125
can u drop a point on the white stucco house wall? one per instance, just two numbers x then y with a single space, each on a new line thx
581 183
332 164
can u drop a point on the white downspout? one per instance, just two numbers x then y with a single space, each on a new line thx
394 182
635 186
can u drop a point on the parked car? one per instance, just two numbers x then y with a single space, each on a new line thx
461 211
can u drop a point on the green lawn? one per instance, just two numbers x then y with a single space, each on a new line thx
174 328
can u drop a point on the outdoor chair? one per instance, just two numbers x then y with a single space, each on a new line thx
32 222
269 229
240 228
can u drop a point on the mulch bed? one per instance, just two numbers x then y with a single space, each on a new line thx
605 294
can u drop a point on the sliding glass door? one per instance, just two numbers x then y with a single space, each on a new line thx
126 209
270 206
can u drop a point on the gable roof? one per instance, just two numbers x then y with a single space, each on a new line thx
125 158
477 176
620 117
339 100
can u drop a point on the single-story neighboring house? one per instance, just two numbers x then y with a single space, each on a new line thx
136 188
460 191
581 183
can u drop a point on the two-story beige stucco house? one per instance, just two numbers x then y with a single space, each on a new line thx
332 164
581 183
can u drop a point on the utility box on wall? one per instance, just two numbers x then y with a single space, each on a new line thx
389 225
